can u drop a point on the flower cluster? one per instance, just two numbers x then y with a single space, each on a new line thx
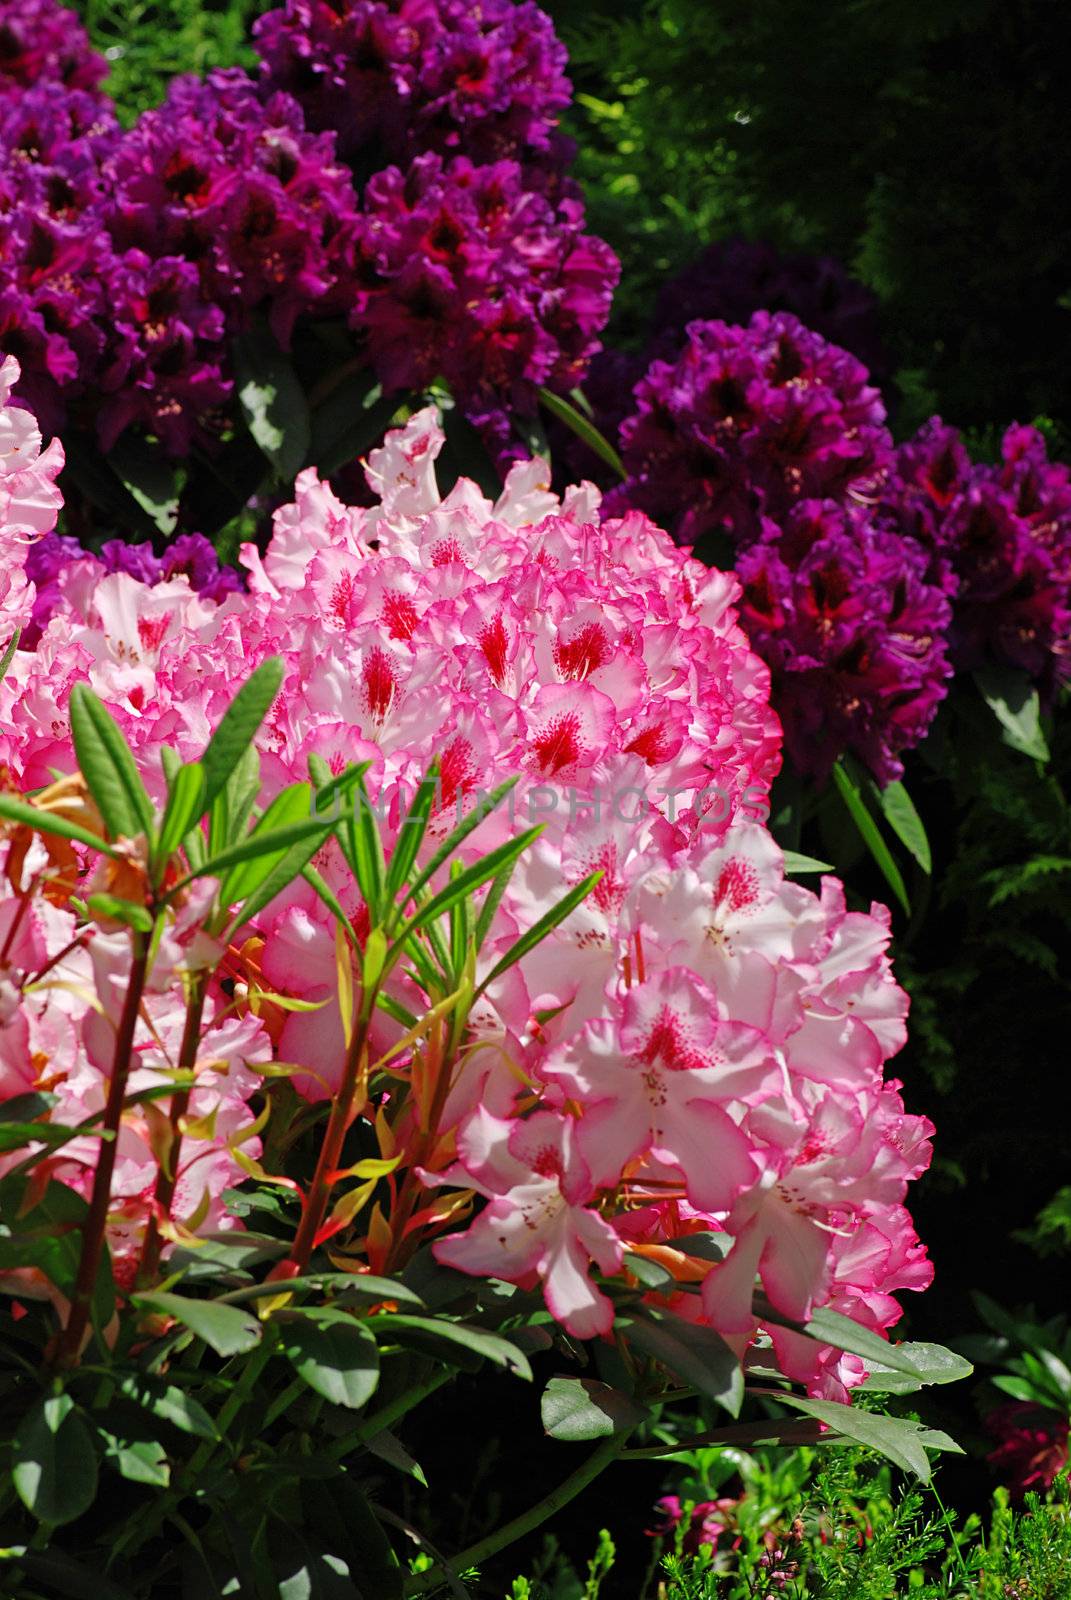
41 42
698 1047
854 631
484 81
470 275
1000 539
745 423
733 279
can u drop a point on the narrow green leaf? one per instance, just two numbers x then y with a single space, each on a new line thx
460 834
365 852
273 401
228 1330
291 865
580 1408
411 833
471 878
238 725
336 1354
128 912
899 811
333 904
539 930
292 805
185 807
108 767
393 1452
694 1353
796 864
9 654
871 834
14 810
1016 705
491 902
276 843
25 1107
54 1465
902 1442
585 430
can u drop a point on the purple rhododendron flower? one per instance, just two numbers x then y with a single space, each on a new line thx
845 614
1000 539
1031 1448
41 42
733 279
747 422
473 277
485 81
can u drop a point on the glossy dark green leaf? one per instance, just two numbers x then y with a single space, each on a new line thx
169 1403
227 1329
273 401
351 419
450 1339
238 725
89 470
582 1408
137 1460
694 1353
63 1575
336 1354
54 1465
566 412
899 811
904 1443
108 767
149 477
870 833
393 1452
1016 704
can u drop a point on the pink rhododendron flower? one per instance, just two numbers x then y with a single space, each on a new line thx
698 1047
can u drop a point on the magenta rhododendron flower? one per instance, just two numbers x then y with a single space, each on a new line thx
698 1045
1031 1448
746 422
484 81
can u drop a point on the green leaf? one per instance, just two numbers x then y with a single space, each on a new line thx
16 1135
292 805
335 1354
1017 707
932 1363
539 930
647 1272
795 863
228 1330
274 843
359 836
392 1451
169 1404
90 472
352 418
902 1442
870 833
697 1354
128 912
352 1287
185 807
64 1575
238 725
149 477
25 1107
459 834
137 1460
54 1466
273 401
471 878
899 811
580 1408
448 1339
9 654
108 768
585 430
21 811
411 833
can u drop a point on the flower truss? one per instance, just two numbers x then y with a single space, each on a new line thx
696 1046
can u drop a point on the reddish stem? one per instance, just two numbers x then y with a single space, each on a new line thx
167 1177
69 1345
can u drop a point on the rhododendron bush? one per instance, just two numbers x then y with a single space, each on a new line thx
407 928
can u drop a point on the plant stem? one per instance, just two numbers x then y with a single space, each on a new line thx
389 1414
331 1149
167 1176
69 1345
599 1458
